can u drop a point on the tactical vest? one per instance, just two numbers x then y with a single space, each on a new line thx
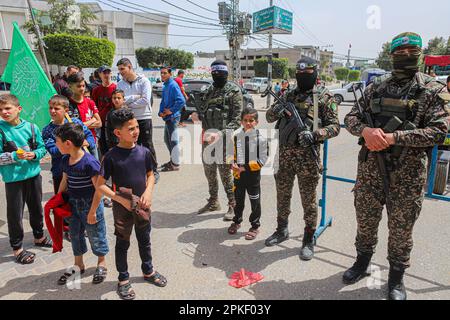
305 107
394 112
218 112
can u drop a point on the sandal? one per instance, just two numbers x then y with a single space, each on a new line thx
165 165
251 234
234 228
125 291
46 243
63 279
157 279
67 236
170 167
25 257
99 275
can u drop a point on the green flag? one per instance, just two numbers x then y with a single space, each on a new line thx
28 81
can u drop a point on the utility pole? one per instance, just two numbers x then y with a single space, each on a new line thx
234 41
237 25
270 63
348 57
37 31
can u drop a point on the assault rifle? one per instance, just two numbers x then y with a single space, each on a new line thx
381 160
295 123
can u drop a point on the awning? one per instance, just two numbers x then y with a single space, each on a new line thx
441 61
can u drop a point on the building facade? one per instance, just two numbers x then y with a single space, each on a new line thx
326 62
129 31
248 56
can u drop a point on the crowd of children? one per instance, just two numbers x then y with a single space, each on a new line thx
82 177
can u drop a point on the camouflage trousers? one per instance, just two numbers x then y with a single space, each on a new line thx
226 176
296 162
403 205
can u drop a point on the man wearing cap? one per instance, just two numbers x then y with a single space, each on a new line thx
220 115
102 96
409 116
295 156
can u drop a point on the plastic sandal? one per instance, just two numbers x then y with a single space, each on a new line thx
46 243
63 279
99 275
25 257
234 228
157 279
125 291
251 234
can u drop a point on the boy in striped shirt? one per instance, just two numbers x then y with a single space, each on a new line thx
80 173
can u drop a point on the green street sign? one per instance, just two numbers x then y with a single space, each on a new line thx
274 19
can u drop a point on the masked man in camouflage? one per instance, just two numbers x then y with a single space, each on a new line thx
220 115
295 156
408 112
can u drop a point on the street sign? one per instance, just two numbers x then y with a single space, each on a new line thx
274 19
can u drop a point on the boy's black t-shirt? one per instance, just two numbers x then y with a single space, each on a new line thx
128 168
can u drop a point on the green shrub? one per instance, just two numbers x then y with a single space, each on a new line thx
82 51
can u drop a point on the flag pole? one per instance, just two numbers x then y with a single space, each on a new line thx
40 41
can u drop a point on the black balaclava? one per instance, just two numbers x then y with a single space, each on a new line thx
219 72
306 81
405 67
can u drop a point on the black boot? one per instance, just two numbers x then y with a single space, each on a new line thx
359 268
396 287
280 235
307 250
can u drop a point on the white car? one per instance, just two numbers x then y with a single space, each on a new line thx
257 85
346 94
442 78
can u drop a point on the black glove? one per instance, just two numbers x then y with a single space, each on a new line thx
278 109
306 139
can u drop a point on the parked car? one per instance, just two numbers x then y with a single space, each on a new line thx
256 84
196 88
345 94
157 89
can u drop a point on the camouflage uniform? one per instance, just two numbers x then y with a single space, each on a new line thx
425 109
297 161
222 111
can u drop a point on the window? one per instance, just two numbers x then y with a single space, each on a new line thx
276 55
243 68
258 57
250 68
251 57
124 33
102 32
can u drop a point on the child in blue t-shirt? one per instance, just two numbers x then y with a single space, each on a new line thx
58 108
80 172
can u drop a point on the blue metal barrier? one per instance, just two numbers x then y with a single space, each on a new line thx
326 222
432 177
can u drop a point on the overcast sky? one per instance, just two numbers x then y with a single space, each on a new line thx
319 22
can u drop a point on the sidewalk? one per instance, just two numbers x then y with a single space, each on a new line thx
198 257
